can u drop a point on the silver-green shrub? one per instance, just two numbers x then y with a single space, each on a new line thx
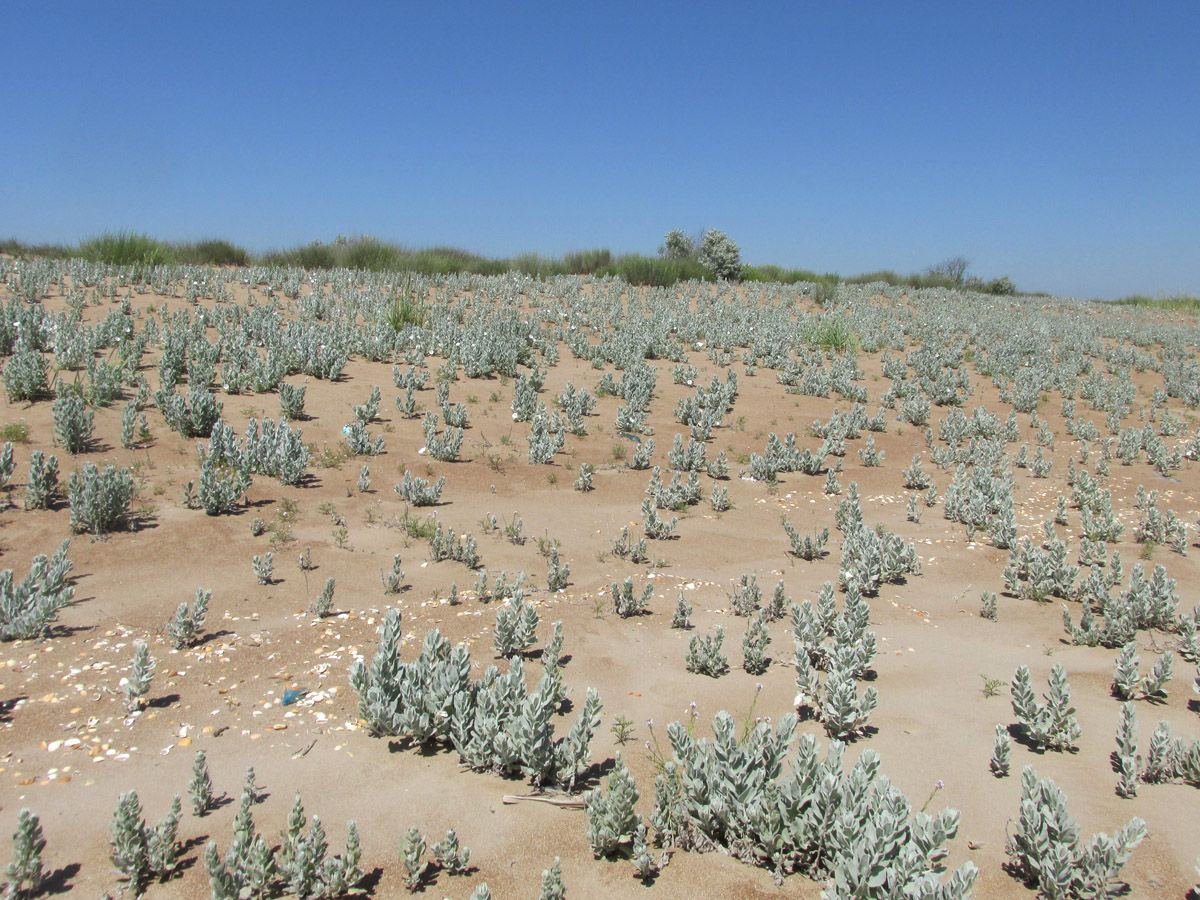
25 375
552 883
407 405
872 557
842 710
413 379
1153 687
500 727
642 455
682 616
137 682
412 700
302 862
746 596
754 644
1047 851
988 606
275 449
322 604
612 821
7 466
200 788
360 442
412 855
558 573
184 628
446 544
42 488
1051 725
445 446
1001 752
689 458
915 477
140 851
73 421
1039 573
191 417
741 796
450 856
291 401
248 868
653 526
718 467
831 487
1125 759
99 498
24 873
625 547
222 487
263 567
365 413
583 483
418 491
546 436
525 400
1171 760
806 546
1145 604
626 603
704 655
29 607
393 580
516 627
869 455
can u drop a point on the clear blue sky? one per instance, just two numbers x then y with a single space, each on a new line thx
1056 142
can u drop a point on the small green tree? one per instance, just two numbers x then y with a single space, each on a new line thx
954 269
677 245
720 255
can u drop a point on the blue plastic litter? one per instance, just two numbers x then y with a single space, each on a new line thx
632 437
291 695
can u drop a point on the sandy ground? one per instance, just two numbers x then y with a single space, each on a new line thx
69 749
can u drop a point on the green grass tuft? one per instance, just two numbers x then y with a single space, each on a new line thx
17 432
831 332
1177 302
124 248
212 252
370 254
405 309
21 250
366 253
773 273
655 270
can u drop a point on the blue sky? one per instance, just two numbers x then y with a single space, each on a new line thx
1057 143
